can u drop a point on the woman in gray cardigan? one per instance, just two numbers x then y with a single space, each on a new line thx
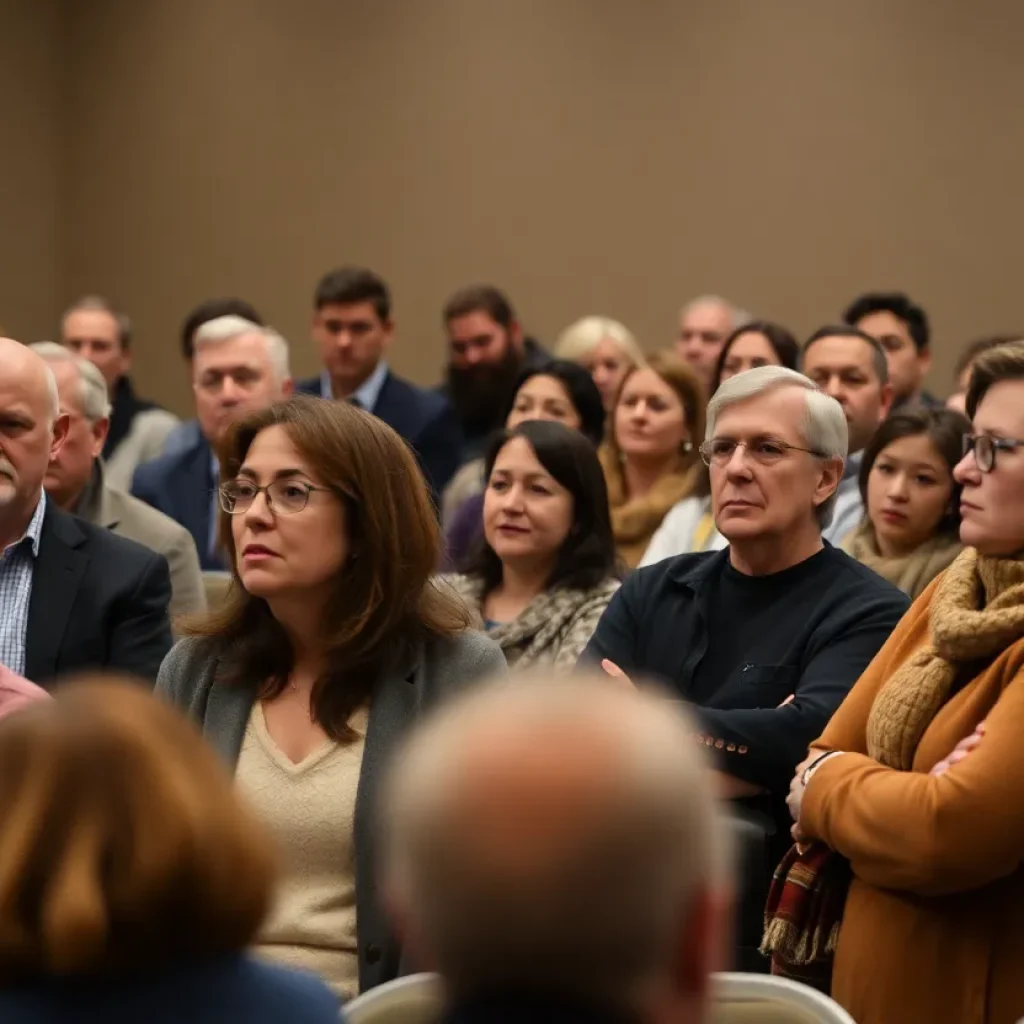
333 641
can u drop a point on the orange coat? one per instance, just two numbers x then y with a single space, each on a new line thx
933 931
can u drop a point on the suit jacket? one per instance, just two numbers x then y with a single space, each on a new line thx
442 668
424 418
128 517
98 602
144 441
181 484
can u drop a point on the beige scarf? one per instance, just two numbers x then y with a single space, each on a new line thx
911 573
976 612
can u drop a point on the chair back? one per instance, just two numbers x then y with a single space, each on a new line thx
415 999
763 999
216 584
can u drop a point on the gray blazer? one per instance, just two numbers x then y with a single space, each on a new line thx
442 668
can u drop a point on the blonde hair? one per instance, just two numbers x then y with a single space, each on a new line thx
122 844
580 339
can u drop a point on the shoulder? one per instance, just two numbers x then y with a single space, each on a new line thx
154 421
308 386
271 993
149 526
113 554
186 669
853 580
457 661
163 467
468 588
429 403
680 570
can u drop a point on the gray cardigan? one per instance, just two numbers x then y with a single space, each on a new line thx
443 667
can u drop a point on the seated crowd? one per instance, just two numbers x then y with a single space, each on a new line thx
574 679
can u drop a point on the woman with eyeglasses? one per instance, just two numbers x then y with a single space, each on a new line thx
911 526
334 639
909 809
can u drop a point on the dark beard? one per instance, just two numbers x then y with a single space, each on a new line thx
481 395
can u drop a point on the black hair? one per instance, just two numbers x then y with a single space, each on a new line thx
582 392
782 341
588 555
480 298
209 310
349 285
900 306
945 428
881 364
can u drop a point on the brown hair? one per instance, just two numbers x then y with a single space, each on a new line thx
122 843
687 386
480 298
385 602
1004 362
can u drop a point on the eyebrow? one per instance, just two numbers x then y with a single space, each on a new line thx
281 474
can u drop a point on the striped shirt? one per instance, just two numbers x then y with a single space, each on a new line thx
17 564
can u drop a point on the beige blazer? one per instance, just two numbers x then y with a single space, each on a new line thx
144 441
103 505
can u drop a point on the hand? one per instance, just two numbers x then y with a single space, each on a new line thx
615 672
960 751
800 837
796 788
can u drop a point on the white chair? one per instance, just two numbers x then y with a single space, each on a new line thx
413 1000
763 999
736 999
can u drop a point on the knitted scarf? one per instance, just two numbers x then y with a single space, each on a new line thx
911 573
977 610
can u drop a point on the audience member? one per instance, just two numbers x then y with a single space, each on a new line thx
237 368
704 325
353 329
546 568
911 527
958 400
76 479
901 328
850 366
650 455
766 637
17 692
554 853
132 879
606 348
333 640
138 430
690 524
559 391
189 433
73 596
487 352
917 781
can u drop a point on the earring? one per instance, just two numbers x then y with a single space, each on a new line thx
687 447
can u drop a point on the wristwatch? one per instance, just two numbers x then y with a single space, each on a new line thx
816 764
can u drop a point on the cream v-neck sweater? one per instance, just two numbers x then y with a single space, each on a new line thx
308 808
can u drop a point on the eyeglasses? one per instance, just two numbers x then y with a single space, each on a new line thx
985 447
719 451
283 496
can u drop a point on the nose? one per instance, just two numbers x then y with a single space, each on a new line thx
738 464
473 356
258 514
834 388
966 470
229 391
897 488
512 500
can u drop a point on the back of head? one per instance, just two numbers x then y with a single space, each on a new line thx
557 837
122 845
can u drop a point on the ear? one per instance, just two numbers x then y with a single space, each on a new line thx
389 331
287 388
828 483
100 429
924 360
60 434
515 333
886 401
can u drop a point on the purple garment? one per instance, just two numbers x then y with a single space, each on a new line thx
466 528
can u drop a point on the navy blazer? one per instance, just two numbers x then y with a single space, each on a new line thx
98 601
181 484
424 418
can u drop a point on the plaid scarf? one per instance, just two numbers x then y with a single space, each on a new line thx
977 609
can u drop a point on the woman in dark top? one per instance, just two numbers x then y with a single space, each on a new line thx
132 879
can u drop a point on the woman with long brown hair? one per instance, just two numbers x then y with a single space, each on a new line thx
131 878
335 637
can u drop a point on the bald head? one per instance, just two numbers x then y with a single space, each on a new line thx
34 431
558 833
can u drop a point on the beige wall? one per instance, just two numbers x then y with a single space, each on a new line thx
588 155
32 110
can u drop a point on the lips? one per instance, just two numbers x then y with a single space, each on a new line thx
893 515
257 551
510 528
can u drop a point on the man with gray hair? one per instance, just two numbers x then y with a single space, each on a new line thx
704 325
76 479
554 852
73 597
765 638
238 367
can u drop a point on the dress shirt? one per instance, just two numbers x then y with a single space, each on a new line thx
366 395
17 564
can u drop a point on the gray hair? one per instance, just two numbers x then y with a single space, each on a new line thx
92 388
605 933
225 328
98 304
739 317
824 429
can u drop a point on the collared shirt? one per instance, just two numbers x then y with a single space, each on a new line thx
366 394
17 563
849 506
